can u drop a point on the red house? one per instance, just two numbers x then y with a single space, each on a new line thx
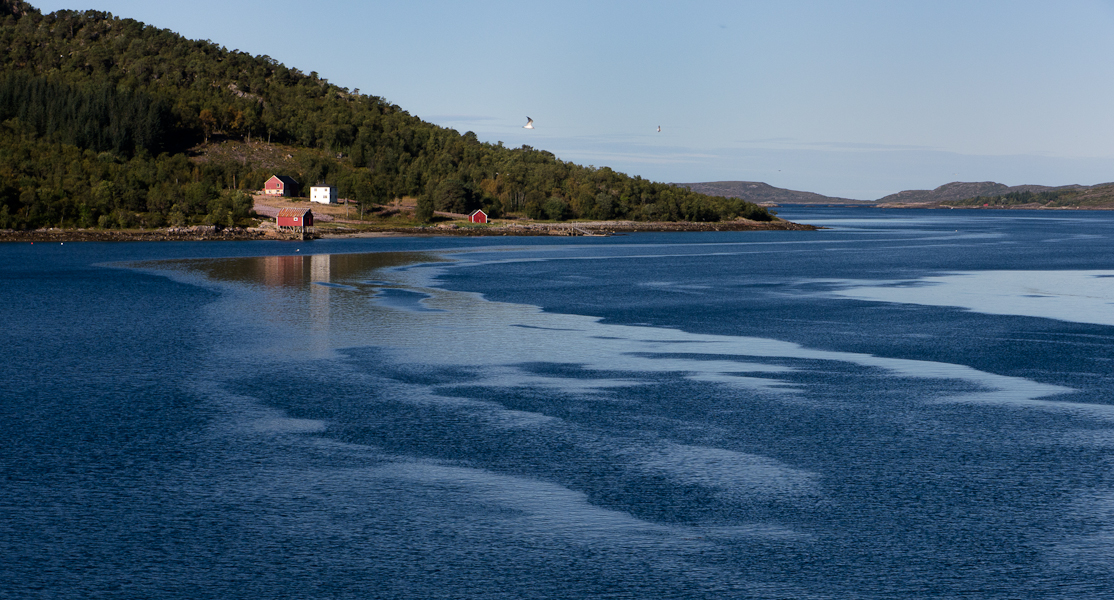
295 219
280 185
478 216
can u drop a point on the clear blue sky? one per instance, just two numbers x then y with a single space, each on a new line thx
846 98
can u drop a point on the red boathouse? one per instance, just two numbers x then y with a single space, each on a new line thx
478 216
295 219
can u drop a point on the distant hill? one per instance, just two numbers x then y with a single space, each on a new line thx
764 193
957 194
958 190
1094 197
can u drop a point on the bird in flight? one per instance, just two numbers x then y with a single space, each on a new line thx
659 128
529 123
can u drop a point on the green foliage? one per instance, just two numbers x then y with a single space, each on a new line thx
424 211
450 196
97 113
556 209
15 7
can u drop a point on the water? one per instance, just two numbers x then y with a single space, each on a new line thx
906 404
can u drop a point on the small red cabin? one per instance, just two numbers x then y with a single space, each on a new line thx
478 216
280 185
295 219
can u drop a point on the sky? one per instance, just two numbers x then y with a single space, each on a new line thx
852 98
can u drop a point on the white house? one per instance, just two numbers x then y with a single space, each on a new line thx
323 194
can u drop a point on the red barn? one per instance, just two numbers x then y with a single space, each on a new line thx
280 185
295 219
478 216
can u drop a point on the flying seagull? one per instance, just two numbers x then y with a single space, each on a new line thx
659 128
529 123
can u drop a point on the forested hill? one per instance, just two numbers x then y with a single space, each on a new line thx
107 122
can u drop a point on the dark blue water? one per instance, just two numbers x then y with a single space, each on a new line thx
906 404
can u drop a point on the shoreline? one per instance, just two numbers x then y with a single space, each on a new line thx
134 235
575 229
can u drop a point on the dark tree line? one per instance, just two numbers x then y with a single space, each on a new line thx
135 97
52 184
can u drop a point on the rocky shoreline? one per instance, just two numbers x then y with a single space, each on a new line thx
590 229
171 234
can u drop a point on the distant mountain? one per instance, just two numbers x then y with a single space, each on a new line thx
758 192
958 190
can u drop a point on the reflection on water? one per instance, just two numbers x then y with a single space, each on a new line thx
298 298
298 270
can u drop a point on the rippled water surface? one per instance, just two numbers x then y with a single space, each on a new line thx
906 404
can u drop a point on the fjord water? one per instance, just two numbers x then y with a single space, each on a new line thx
906 404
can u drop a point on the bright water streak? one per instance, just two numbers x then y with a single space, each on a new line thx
1079 296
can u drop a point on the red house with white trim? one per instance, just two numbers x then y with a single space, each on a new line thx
280 185
295 219
477 216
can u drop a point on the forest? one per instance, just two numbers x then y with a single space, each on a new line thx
102 119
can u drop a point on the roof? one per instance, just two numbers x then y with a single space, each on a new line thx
476 212
293 212
285 179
